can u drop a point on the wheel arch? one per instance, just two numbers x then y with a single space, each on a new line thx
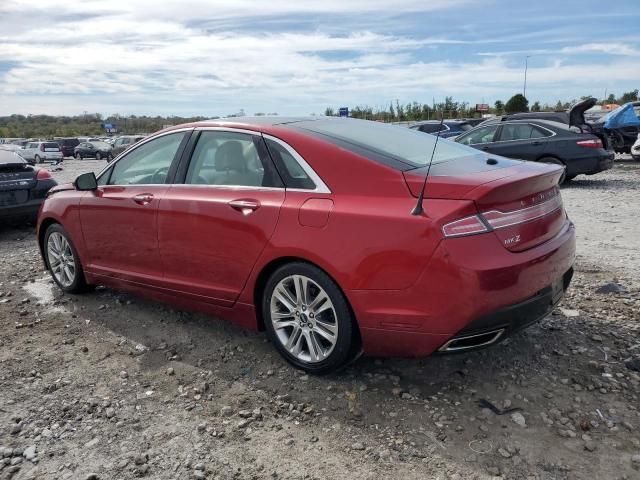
272 266
42 230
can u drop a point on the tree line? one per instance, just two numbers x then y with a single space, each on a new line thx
49 126
415 111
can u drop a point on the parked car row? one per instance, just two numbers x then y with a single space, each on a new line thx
55 150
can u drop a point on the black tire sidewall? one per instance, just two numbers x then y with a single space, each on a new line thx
79 284
78 156
341 352
98 156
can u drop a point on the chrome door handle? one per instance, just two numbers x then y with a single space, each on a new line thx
143 198
245 206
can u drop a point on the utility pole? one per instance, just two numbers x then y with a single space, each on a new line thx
526 66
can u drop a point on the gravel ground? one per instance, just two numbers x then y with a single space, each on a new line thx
110 386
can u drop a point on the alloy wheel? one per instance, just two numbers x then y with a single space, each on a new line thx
61 259
304 318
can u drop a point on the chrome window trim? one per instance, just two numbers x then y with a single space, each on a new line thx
228 187
321 187
129 150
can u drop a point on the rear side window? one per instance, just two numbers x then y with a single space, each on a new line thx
290 170
231 159
521 131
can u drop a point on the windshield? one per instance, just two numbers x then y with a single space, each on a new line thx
409 146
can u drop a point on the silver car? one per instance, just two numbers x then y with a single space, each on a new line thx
635 150
40 152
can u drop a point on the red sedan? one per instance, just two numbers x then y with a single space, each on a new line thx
303 227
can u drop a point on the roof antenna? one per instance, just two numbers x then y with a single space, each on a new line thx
418 210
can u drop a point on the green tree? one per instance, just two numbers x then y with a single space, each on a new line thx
610 99
536 107
329 112
517 103
499 106
631 96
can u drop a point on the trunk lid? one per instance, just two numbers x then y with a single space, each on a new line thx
576 113
15 172
520 201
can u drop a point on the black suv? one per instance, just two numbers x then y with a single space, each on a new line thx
67 145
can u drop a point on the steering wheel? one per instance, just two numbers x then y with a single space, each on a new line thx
160 175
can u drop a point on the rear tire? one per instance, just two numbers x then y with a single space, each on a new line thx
37 159
62 260
78 156
98 156
308 319
560 163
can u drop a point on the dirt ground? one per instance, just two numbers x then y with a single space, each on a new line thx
110 386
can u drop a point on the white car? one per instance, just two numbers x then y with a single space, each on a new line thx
39 152
635 150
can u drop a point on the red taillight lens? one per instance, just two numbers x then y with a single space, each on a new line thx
505 219
594 143
43 174
464 226
495 219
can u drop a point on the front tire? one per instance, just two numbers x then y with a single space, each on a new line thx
78 156
63 261
98 156
555 161
307 318
37 159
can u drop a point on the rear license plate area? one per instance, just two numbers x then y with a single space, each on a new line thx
13 197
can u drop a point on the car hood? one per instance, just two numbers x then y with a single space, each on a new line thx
576 113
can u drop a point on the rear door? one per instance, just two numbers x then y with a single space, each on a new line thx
119 219
213 226
523 141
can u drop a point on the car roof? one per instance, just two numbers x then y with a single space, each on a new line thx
434 122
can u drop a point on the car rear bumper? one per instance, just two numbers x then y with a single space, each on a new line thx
591 165
26 209
470 283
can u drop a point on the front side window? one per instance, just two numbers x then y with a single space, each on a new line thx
230 158
148 164
480 135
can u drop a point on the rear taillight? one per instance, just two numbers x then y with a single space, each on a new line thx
43 174
465 226
495 219
593 143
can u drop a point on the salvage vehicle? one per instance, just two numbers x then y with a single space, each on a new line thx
337 236
635 150
447 128
97 150
622 126
23 187
542 141
67 145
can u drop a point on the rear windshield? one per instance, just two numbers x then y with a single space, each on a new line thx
51 145
465 126
373 139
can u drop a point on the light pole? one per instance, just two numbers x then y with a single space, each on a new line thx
526 66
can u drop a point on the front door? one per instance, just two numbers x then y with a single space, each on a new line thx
213 227
119 219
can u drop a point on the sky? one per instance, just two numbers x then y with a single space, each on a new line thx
216 57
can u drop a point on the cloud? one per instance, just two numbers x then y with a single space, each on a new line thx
213 57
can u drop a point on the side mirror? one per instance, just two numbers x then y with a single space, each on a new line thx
86 182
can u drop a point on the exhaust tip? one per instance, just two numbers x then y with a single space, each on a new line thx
467 342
